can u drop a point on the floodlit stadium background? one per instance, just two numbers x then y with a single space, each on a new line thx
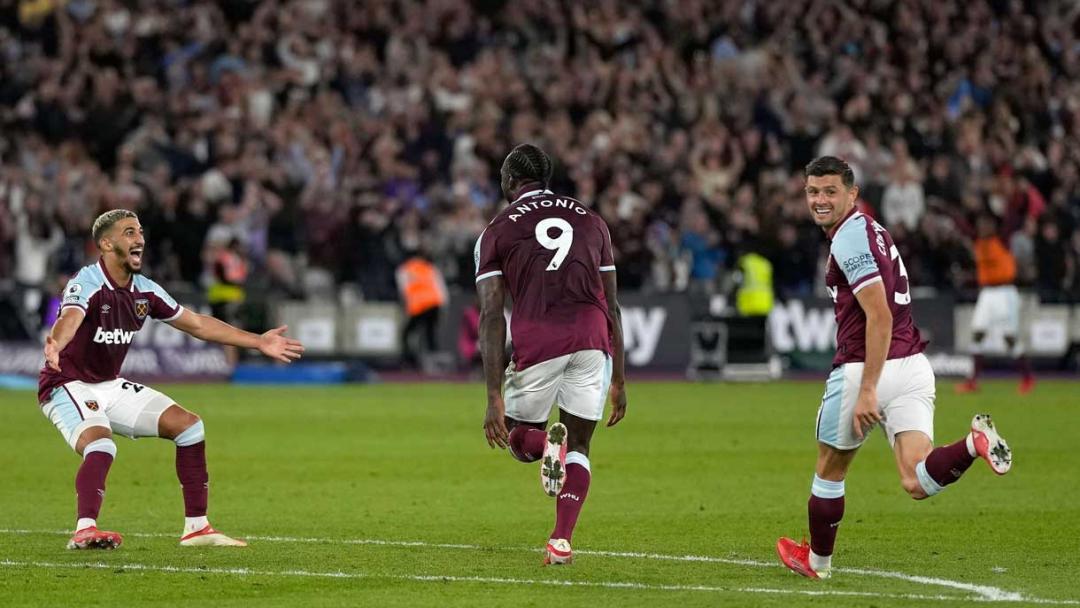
333 140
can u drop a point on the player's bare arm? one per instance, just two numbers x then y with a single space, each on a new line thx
493 351
878 336
618 356
273 344
61 334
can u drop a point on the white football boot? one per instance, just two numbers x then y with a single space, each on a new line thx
209 537
558 552
989 445
553 462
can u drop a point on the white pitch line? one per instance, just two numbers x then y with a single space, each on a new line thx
989 593
984 592
441 578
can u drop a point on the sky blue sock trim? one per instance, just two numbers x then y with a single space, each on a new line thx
579 459
105 446
927 482
194 434
823 488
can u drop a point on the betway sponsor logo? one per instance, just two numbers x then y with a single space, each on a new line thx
116 336
642 328
794 327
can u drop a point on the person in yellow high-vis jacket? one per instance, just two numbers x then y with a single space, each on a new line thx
754 297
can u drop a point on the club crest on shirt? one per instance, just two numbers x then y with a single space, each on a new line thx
142 308
92 405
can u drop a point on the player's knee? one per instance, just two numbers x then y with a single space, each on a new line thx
104 446
90 436
191 435
913 488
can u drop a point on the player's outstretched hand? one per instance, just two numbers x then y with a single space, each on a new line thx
52 354
617 392
866 413
495 424
276 345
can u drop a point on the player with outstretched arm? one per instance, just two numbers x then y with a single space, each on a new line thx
880 374
553 257
81 392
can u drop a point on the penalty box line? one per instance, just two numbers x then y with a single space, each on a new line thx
983 592
441 578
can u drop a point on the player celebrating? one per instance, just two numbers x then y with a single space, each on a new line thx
81 392
998 304
554 258
879 373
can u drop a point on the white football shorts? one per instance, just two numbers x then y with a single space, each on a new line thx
128 408
997 306
905 393
577 382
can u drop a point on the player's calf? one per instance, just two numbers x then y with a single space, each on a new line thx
98 457
946 464
192 474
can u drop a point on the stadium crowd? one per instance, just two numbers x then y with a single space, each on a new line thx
325 141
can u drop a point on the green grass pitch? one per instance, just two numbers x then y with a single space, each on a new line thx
400 502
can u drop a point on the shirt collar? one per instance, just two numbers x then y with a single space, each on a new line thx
109 282
847 218
530 190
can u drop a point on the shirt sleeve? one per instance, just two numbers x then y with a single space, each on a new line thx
162 305
607 255
485 255
78 291
851 250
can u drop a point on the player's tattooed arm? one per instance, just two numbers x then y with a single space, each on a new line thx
878 336
62 332
273 344
618 355
493 351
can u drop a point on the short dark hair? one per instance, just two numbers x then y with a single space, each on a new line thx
528 163
107 220
831 165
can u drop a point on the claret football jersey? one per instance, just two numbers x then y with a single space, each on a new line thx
862 253
113 314
550 251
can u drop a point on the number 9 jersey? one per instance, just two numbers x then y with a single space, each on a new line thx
550 251
862 253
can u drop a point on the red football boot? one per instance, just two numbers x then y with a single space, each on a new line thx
796 556
92 538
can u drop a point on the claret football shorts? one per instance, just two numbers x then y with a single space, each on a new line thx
128 408
905 395
578 383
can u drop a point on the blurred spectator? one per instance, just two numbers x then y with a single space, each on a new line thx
329 137
423 291
902 203
229 274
